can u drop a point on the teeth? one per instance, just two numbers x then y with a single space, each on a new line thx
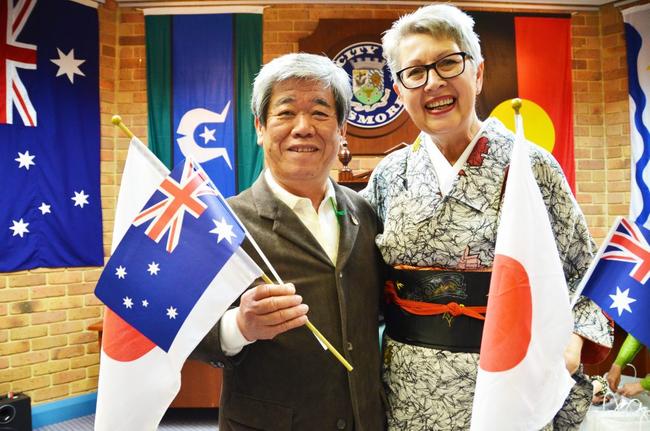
303 150
439 103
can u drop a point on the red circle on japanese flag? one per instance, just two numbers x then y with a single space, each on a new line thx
122 341
506 334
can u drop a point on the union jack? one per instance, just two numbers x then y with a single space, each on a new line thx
14 55
181 197
630 245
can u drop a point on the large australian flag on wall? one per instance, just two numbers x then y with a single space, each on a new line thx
49 135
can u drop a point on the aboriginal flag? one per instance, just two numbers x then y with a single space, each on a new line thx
529 56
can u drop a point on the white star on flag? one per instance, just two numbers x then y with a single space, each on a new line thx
128 302
171 313
80 199
45 208
145 303
120 272
223 230
68 65
621 300
153 268
19 227
208 135
25 160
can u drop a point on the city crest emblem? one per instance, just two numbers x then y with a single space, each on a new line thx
374 104
368 85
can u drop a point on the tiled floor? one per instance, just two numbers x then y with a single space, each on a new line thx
174 420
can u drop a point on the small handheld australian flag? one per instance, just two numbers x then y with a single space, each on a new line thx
618 278
175 247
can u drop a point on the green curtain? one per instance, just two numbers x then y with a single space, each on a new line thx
248 60
159 96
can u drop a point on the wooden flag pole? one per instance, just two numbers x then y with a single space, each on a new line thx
516 105
117 121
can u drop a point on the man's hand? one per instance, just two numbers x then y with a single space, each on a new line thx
614 377
572 353
270 309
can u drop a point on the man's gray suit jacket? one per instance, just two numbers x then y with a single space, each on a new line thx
290 382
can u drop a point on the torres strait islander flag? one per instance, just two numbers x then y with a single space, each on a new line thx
522 380
50 204
157 314
201 62
516 48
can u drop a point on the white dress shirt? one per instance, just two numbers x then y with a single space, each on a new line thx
322 224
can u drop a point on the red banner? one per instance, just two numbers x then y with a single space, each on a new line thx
543 47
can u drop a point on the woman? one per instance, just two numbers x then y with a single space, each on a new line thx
439 200
630 348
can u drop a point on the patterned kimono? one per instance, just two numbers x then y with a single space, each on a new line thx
431 389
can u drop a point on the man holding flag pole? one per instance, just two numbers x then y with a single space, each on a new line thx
320 238
310 227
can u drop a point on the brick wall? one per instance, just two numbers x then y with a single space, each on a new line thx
45 347
601 117
615 112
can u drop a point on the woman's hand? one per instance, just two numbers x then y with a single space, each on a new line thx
631 389
598 396
572 353
614 377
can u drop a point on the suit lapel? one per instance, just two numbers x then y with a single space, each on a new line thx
348 225
285 222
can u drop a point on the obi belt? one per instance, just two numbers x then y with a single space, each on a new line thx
437 308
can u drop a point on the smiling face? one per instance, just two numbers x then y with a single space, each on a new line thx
443 108
301 136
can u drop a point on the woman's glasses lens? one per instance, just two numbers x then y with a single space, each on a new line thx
447 67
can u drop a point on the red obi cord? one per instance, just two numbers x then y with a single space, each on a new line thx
431 309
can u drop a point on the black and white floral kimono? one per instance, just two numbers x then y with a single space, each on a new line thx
432 388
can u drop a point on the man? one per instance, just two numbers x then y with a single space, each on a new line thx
319 237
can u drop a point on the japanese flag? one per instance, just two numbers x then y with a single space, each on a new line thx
159 314
522 380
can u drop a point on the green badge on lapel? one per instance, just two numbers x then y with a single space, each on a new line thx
339 213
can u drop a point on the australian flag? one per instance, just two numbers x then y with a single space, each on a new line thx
618 279
49 130
173 251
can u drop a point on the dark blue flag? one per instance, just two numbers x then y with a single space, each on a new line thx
49 130
637 40
170 255
618 279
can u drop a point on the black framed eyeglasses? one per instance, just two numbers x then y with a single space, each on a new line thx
447 67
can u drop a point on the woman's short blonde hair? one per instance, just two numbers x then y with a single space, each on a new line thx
438 21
